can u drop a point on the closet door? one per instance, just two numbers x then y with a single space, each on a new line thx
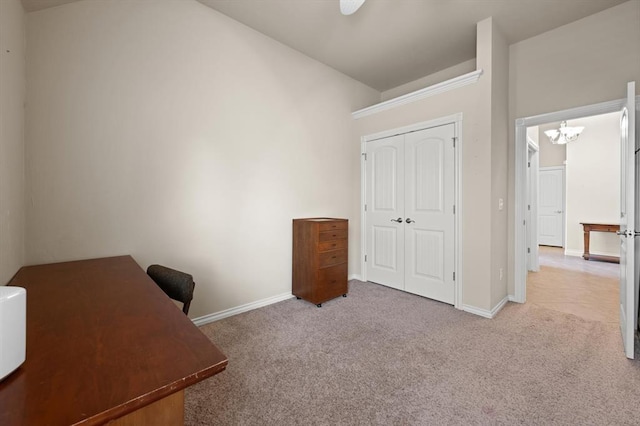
385 211
409 208
429 217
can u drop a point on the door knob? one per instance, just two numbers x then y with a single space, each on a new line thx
410 221
399 220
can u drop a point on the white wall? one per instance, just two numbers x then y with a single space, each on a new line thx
582 63
593 183
12 97
170 132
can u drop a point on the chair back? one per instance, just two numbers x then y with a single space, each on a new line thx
177 285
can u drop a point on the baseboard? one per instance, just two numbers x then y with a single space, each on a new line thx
578 253
240 309
355 277
484 312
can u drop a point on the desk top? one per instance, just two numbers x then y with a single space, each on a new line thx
102 341
605 227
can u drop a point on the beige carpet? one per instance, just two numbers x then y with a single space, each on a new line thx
384 357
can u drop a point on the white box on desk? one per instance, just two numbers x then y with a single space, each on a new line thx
13 328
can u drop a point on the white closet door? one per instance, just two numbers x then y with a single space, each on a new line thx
429 217
385 211
410 219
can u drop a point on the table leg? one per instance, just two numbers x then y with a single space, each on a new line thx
585 255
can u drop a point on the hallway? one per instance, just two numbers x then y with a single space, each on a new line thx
570 284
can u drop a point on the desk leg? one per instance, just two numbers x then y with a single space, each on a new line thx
585 255
168 411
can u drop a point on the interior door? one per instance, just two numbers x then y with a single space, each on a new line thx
627 222
551 207
385 211
429 215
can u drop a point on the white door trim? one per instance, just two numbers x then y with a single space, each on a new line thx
456 120
521 124
533 154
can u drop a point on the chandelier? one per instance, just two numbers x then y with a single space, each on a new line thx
564 134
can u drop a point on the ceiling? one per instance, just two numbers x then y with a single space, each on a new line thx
391 42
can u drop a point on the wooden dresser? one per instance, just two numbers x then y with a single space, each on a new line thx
320 247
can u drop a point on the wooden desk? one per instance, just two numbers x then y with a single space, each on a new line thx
599 227
103 343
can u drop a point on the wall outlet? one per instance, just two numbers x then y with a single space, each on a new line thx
501 273
500 204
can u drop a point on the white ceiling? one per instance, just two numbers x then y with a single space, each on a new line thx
391 42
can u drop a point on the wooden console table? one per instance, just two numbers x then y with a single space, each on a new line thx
104 344
599 227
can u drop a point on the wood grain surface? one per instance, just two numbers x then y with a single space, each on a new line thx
102 341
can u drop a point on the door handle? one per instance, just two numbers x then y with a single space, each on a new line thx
410 221
398 220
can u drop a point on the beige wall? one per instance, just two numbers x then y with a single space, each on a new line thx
480 183
593 183
431 79
582 63
550 154
12 97
499 165
170 132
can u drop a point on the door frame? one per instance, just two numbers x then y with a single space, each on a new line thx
564 199
533 155
520 167
456 120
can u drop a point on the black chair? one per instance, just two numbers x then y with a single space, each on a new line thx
177 285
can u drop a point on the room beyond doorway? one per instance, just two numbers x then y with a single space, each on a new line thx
570 284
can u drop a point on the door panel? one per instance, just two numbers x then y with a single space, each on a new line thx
551 207
627 222
385 203
429 223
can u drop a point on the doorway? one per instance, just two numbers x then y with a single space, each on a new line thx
565 281
521 192
629 221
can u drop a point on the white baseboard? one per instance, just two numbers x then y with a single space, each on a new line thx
484 312
240 309
579 253
355 277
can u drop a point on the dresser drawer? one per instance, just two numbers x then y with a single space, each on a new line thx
332 245
329 226
334 257
336 234
332 282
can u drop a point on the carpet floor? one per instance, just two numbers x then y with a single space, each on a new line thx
385 357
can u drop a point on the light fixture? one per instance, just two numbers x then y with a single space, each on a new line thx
564 134
349 7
